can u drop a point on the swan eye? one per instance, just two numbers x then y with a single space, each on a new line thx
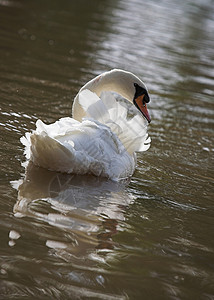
141 91
146 98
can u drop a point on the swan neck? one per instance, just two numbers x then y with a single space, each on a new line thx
118 81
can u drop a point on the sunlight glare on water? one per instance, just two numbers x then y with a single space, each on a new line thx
82 237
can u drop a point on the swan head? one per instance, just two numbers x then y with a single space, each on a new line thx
122 82
141 98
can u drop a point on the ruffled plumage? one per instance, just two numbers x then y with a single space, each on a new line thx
103 143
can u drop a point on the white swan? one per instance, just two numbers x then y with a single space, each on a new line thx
101 138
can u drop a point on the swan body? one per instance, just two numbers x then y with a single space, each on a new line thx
101 138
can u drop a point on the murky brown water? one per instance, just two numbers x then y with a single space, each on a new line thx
73 237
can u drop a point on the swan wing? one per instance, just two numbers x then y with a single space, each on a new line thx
93 106
107 110
73 147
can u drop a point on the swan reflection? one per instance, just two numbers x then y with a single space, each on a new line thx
87 210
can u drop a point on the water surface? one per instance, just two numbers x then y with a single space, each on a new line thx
82 237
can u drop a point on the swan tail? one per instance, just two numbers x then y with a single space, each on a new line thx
49 153
48 147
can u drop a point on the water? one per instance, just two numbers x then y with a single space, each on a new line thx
73 237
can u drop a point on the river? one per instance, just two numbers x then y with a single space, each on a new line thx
82 237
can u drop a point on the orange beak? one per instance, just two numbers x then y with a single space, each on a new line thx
141 105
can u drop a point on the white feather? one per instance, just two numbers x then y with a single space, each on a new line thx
103 143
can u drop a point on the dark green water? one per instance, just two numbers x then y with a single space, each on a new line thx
69 237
